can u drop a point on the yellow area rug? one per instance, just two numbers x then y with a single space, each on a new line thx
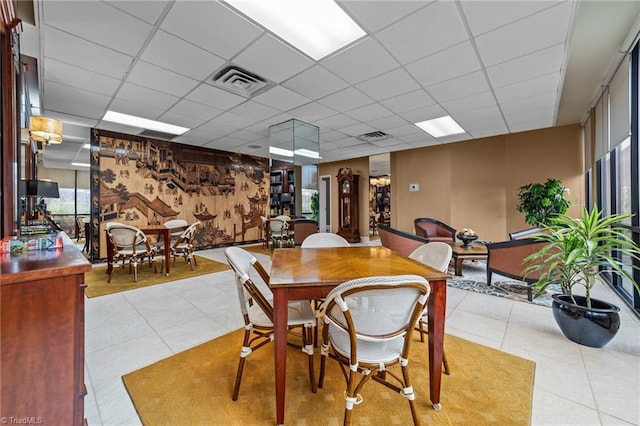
258 249
121 280
486 387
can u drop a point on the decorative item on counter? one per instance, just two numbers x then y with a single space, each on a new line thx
467 236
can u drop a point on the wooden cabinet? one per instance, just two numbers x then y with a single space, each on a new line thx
348 205
282 191
42 336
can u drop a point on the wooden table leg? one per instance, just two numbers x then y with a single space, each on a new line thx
458 265
436 313
280 313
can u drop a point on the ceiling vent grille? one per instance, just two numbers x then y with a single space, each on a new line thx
240 81
373 136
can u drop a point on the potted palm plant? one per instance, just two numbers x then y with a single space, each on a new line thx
578 250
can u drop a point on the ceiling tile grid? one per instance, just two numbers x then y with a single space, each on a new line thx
494 66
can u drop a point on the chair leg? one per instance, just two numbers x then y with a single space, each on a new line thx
324 352
308 348
134 263
445 363
243 354
351 396
411 396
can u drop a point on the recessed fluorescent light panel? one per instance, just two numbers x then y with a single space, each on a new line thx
81 164
280 151
439 127
307 153
86 146
317 27
132 120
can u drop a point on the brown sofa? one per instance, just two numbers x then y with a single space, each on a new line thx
507 258
399 241
434 230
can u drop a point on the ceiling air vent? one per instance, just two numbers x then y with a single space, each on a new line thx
240 81
373 136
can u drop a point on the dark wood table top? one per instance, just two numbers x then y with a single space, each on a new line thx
476 249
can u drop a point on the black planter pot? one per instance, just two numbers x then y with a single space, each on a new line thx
594 326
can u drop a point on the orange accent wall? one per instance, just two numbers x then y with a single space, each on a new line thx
474 184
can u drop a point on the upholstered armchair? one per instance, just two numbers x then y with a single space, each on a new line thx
303 228
401 242
434 230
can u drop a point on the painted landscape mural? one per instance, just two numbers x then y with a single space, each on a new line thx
141 181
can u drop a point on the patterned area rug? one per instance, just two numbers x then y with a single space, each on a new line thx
474 277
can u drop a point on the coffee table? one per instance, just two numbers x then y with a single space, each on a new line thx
460 254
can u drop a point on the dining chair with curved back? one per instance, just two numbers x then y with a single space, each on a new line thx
183 246
280 232
324 239
129 244
257 310
368 324
438 256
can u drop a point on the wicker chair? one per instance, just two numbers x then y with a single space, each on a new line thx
434 230
281 236
324 239
257 311
368 324
438 256
130 244
183 246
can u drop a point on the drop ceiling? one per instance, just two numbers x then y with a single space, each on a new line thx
496 67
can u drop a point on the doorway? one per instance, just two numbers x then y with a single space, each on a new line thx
324 193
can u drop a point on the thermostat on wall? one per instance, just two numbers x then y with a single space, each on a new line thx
414 187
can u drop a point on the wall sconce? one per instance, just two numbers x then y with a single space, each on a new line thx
45 130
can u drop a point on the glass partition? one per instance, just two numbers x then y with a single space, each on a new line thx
294 151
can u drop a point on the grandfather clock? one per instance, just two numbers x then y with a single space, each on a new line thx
348 205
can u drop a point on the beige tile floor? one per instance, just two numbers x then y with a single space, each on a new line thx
573 384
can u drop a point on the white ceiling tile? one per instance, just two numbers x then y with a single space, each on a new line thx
532 87
80 78
109 26
148 11
460 87
259 59
134 108
425 32
62 91
151 76
420 139
211 26
527 67
315 83
145 96
120 128
469 103
405 130
408 101
174 54
281 98
369 113
331 136
230 119
483 16
361 61
312 112
531 125
445 65
390 84
196 110
346 100
187 121
481 118
528 35
255 111
71 119
72 50
388 122
358 129
375 15
543 101
530 115
214 97
338 121
485 133
424 113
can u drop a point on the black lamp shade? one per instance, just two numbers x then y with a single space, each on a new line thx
39 188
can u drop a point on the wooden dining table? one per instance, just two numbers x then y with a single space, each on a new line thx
161 231
310 273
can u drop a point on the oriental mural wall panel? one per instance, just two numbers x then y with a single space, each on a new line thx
140 181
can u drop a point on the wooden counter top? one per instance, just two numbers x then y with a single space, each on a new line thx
41 264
